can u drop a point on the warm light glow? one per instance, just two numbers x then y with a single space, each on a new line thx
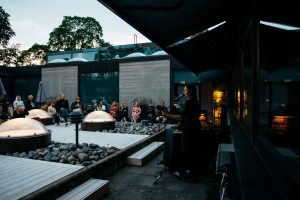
281 123
245 111
217 99
202 117
217 96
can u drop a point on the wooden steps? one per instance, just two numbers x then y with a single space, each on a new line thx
142 156
92 189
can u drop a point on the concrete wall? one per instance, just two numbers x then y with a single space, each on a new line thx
61 79
145 80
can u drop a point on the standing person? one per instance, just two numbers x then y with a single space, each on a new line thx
62 107
123 112
190 128
29 104
135 112
18 102
114 109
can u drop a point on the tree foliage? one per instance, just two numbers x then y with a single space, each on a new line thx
35 55
12 56
9 56
76 33
6 31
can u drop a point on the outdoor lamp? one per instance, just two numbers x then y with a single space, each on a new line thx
76 118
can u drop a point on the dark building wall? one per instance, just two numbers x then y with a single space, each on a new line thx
20 80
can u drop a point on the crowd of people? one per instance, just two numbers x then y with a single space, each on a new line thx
59 109
188 118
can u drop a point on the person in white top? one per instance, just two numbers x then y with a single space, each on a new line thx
101 106
18 102
52 112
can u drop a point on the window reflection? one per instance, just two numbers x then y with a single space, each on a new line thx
99 86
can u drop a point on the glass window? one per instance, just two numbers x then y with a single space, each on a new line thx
99 86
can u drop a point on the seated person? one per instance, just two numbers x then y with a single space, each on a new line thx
77 104
89 108
52 112
20 112
3 115
29 104
18 102
44 106
101 106
10 111
62 107
161 108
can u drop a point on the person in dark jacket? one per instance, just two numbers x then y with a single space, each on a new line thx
123 113
29 104
191 126
77 104
20 112
62 107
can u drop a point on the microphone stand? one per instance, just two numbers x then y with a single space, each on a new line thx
160 112
162 172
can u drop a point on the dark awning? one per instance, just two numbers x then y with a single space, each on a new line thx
169 22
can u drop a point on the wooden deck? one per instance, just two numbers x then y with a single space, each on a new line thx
20 176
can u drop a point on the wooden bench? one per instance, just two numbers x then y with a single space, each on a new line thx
92 189
142 156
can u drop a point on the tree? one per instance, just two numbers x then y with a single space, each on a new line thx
77 33
6 31
35 55
9 56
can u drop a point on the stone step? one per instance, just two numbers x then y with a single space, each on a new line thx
90 190
142 156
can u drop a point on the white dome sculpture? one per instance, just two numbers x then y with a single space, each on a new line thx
22 127
159 53
77 59
98 116
34 113
135 54
57 61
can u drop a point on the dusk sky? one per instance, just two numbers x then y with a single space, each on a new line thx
33 20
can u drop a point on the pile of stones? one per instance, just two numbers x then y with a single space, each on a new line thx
137 128
85 154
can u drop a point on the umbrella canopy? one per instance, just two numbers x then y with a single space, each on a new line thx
41 95
2 90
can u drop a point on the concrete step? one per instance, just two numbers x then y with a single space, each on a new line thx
142 156
92 189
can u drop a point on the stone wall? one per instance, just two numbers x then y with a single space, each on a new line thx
148 80
61 79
